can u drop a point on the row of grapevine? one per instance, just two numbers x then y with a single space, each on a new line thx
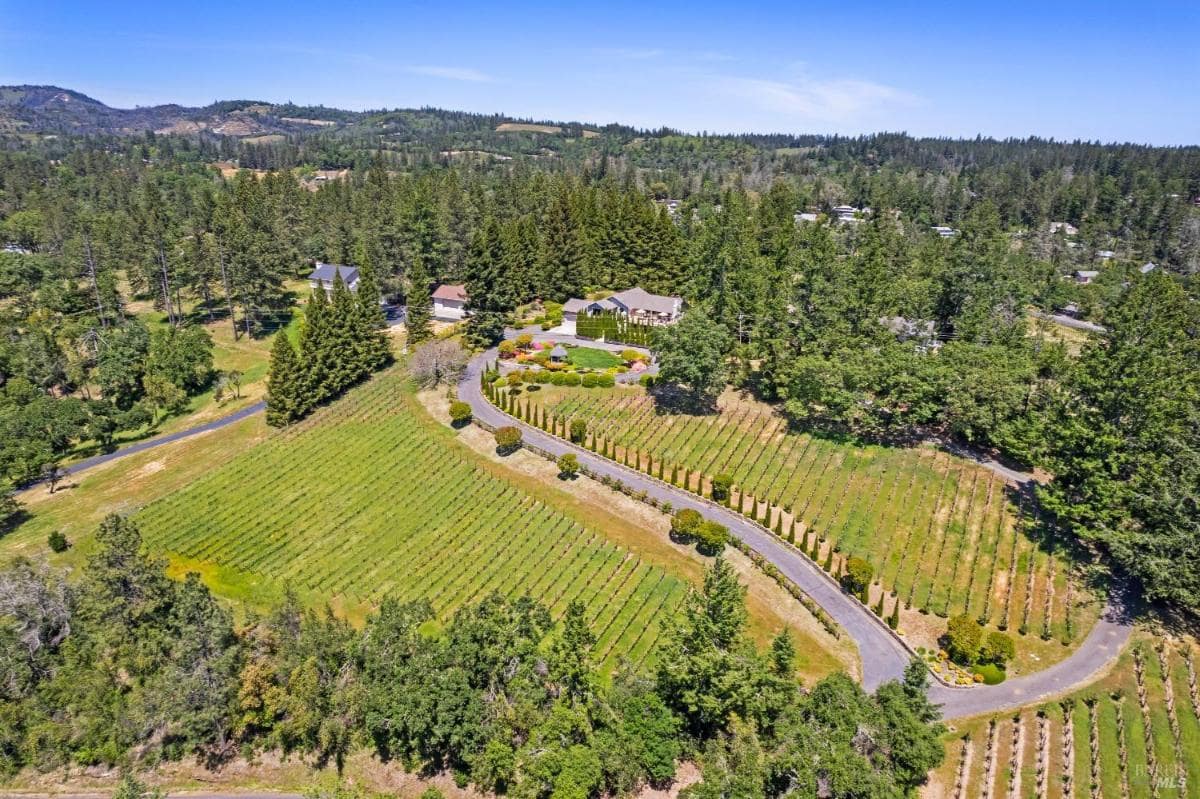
1136 734
943 534
364 500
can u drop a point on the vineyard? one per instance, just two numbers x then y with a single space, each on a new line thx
363 501
1134 735
945 536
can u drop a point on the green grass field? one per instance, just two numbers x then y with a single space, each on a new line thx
592 358
1104 737
363 501
945 536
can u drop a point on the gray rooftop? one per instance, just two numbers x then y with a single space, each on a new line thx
326 272
558 352
643 300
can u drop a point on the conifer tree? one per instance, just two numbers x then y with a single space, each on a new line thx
285 383
316 357
562 249
419 306
894 619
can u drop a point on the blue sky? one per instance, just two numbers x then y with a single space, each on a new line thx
1127 71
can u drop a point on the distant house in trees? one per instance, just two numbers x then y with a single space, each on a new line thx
923 332
945 232
1105 255
450 302
848 214
1064 227
636 304
325 275
1085 276
1148 267
804 216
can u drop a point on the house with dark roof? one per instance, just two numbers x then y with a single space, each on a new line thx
636 303
325 275
450 302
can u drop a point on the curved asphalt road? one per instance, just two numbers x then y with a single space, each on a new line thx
150 443
883 657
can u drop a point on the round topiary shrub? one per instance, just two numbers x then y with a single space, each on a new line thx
58 542
460 413
858 576
590 381
605 381
508 439
578 430
568 466
571 380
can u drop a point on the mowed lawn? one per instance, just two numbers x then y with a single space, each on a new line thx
1080 738
945 536
592 358
369 498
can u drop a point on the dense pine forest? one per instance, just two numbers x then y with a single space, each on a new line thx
866 324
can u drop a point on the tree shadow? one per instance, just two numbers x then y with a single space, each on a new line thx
678 401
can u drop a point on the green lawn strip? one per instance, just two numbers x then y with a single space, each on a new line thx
592 358
1160 727
1083 752
1110 760
1189 725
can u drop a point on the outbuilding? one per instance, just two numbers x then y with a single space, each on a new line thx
450 302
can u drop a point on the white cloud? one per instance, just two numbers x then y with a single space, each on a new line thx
834 100
452 73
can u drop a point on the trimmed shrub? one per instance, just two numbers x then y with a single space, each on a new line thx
858 575
578 430
568 466
507 349
514 379
508 439
570 379
963 639
998 648
605 381
460 413
524 341
590 380
685 523
58 542
721 485
558 379
711 537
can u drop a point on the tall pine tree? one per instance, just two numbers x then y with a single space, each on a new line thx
285 383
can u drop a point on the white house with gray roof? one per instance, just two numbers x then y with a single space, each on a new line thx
636 303
325 275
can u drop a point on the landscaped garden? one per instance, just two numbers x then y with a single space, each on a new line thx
1134 734
944 536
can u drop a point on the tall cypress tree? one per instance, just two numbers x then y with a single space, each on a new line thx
285 383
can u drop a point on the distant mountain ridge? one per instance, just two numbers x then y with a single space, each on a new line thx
53 109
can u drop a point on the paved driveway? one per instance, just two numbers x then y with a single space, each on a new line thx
883 657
